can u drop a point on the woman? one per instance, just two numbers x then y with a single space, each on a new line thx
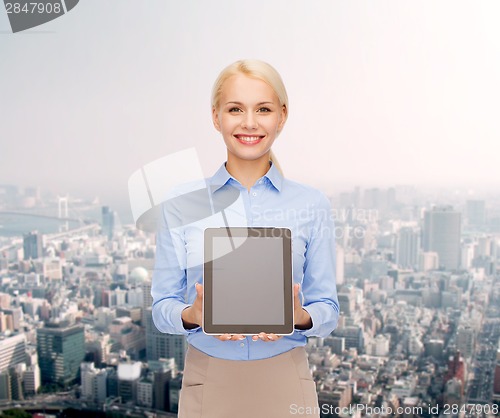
264 375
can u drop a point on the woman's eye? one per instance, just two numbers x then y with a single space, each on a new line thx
234 109
264 109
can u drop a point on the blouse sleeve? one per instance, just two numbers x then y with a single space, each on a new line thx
319 288
169 276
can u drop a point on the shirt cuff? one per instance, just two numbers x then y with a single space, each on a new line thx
176 317
315 320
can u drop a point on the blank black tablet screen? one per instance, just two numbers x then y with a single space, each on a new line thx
248 281
247 287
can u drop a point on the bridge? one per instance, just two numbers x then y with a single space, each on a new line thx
36 215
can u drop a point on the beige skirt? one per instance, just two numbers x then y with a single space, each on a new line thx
276 387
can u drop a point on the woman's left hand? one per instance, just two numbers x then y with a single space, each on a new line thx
302 318
266 337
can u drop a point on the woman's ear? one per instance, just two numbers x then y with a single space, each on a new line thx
215 118
284 115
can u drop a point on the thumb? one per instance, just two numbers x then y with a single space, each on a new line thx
296 288
199 290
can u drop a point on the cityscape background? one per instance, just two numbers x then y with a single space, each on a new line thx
393 114
418 285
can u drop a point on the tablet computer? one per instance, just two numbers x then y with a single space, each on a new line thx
247 279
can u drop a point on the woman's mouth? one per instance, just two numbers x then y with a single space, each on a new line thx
249 139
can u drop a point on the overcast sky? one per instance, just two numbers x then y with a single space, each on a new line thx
381 92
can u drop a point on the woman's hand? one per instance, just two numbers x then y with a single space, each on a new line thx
266 337
303 320
192 316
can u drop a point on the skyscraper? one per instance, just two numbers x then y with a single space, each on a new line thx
441 234
407 245
108 222
32 244
161 345
12 351
158 344
61 349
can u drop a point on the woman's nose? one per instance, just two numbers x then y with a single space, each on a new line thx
249 121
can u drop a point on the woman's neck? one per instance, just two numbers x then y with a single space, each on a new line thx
245 171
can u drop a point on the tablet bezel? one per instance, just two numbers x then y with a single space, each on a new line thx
248 329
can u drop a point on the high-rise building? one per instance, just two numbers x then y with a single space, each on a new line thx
32 379
337 344
434 348
108 222
456 370
353 337
145 392
33 245
128 378
5 390
87 372
163 372
161 345
16 381
12 351
476 212
466 340
174 388
441 234
407 246
158 344
61 349
93 383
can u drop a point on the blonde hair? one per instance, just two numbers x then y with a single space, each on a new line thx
259 70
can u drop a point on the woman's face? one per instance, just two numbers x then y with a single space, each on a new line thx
249 117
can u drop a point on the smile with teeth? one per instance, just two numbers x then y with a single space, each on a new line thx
247 139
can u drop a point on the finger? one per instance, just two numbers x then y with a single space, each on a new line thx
199 290
263 336
237 337
258 336
230 337
270 337
273 337
296 299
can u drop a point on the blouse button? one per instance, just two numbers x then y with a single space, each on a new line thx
242 344
254 194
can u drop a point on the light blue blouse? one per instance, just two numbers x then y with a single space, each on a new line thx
272 201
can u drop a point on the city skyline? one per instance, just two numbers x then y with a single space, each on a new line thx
417 329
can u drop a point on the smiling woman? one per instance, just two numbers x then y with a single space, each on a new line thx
250 113
263 374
